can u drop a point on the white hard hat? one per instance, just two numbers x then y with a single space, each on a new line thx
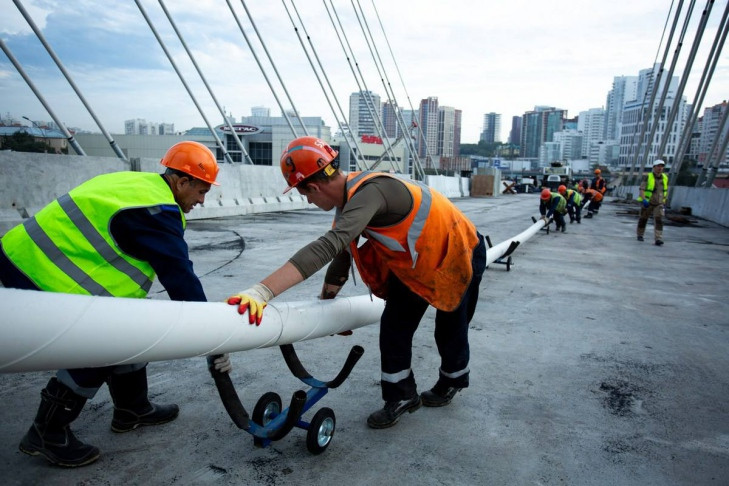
658 162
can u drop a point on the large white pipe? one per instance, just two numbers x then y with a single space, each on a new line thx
49 331
502 249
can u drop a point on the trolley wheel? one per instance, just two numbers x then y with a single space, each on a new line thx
321 431
508 264
266 409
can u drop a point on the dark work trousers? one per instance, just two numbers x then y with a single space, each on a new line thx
575 212
403 311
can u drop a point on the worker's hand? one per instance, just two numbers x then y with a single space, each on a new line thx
329 291
222 363
253 300
645 203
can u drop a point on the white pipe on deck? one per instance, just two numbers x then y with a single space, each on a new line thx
49 330
497 251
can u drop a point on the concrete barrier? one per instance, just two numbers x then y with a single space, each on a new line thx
30 181
708 203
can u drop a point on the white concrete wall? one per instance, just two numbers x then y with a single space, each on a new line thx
30 181
707 203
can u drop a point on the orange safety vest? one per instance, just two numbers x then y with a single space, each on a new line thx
430 250
596 195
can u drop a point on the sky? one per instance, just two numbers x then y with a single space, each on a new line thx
479 56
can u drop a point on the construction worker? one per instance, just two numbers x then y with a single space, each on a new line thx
590 198
108 236
653 196
553 205
420 250
598 184
574 203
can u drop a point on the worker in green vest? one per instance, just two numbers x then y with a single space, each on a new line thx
109 236
653 196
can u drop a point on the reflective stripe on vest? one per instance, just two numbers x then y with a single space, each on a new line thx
416 228
67 246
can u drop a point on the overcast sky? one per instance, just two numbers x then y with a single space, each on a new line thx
478 56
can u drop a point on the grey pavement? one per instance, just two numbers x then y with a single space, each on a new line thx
596 360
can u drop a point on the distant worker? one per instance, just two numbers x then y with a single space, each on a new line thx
653 196
598 184
420 250
108 236
590 197
574 203
553 205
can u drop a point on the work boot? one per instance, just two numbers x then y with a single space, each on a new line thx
588 215
390 414
564 228
50 434
132 408
439 396
640 238
659 242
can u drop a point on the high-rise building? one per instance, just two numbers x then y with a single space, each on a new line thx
624 89
637 118
491 128
140 126
364 108
538 126
515 132
429 126
592 125
389 119
709 131
446 130
570 143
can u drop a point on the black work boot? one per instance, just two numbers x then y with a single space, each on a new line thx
132 408
390 414
439 396
50 434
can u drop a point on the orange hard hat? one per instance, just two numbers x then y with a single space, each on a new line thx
546 194
597 171
304 157
194 159
562 189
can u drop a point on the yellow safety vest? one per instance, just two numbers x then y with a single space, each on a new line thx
651 184
67 246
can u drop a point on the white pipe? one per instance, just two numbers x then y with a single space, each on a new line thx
49 330
498 251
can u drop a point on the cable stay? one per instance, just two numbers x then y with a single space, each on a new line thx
698 101
374 113
72 141
184 83
326 95
263 71
205 82
400 118
331 89
68 77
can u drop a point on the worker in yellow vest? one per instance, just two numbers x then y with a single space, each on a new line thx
653 196
109 236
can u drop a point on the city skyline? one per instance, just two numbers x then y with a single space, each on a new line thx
462 56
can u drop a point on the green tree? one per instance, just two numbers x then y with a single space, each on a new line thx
24 142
